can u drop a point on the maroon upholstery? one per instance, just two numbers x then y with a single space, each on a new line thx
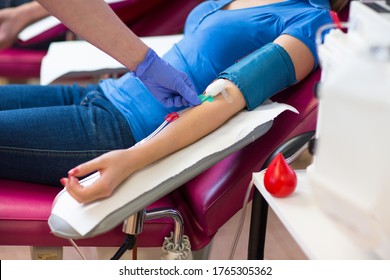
23 64
25 209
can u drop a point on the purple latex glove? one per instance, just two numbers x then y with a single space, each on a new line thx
171 87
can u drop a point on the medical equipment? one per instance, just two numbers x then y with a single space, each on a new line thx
168 119
277 73
368 26
349 172
217 87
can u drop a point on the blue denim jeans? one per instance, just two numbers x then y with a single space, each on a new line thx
46 130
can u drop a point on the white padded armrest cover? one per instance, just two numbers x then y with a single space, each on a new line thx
70 219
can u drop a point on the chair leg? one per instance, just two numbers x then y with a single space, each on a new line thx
175 216
128 244
132 227
177 246
258 227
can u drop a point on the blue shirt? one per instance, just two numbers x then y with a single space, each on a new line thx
215 39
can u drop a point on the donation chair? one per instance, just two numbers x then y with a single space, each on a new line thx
23 61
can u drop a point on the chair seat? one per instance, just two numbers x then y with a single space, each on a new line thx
20 63
25 209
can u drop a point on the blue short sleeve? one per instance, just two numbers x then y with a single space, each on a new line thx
305 28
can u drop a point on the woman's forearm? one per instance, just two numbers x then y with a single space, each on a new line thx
116 166
192 125
201 120
95 22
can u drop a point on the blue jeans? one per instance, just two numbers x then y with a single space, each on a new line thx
46 130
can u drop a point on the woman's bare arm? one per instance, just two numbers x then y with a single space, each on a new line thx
194 124
300 55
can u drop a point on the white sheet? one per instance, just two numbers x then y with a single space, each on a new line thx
84 218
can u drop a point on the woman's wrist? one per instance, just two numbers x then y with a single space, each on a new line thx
135 159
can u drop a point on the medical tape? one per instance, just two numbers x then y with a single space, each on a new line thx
215 88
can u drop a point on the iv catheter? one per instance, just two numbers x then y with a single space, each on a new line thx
218 86
211 91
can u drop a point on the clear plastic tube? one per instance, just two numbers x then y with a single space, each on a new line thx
168 119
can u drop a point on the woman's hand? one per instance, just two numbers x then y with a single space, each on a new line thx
114 168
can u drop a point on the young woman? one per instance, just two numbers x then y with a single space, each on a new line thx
47 130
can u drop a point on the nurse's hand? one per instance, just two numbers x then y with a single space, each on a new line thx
114 168
171 87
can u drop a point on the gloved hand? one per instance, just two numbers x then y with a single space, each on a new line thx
171 87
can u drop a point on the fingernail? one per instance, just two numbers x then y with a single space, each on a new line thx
73 171
63 181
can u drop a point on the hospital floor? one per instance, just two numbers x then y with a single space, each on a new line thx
279 243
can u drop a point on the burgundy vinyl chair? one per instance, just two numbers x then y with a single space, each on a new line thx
144 17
